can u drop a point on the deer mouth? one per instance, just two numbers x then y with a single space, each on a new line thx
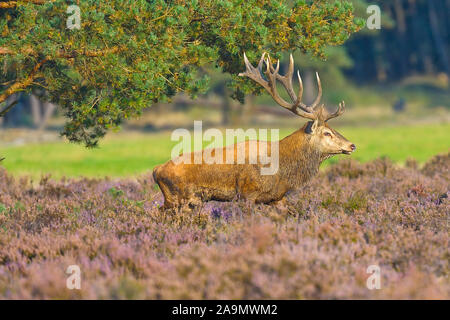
352 148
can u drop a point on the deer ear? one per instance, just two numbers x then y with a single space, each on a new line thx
314 126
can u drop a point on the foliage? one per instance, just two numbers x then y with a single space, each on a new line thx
130 54
317 245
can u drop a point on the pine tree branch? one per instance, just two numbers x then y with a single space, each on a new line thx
65 53
20 85
12 4
6 110
5 50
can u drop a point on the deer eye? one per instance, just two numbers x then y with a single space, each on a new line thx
327 134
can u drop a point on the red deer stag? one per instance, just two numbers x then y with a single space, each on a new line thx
299 154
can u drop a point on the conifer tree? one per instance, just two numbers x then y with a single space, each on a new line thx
130 54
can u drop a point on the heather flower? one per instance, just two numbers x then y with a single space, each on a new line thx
216 213
316 245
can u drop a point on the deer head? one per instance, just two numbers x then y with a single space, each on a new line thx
321 136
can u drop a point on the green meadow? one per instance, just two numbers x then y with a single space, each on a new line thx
133 153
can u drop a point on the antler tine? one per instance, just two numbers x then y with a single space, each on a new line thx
300 83
339 111
290 72
271 87
255 73
319 95
299 102
304 111
272 77
286 80
261 61
277 69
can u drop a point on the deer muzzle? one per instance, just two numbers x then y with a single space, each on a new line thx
350 149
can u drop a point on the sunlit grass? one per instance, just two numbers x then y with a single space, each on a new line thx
399 143
126 154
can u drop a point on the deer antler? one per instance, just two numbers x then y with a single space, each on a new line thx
297 107
319 95
337 113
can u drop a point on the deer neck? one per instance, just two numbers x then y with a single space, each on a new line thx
299 160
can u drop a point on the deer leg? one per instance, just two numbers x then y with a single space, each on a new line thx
195 202
171 198
280 202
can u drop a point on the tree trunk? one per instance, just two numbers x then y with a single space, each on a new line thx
49 109
437 38
14 117
401 37
248 109
226 107
35 105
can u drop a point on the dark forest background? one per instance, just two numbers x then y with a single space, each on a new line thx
414 39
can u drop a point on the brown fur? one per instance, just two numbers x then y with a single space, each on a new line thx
300 156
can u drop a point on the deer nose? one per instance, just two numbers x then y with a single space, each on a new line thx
353 147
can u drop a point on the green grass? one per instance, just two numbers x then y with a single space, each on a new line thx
126 154
399 143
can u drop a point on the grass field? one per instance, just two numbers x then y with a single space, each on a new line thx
132 153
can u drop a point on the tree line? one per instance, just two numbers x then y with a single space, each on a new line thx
414 39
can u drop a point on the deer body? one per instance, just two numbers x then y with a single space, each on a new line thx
192 183
299 157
